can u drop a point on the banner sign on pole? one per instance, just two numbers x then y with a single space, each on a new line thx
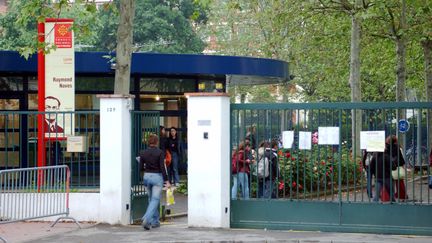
59 79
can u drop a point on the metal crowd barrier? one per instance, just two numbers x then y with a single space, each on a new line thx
32 193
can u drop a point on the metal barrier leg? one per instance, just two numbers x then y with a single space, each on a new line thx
66 217
3 239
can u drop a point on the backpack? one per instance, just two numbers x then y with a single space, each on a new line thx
263 167
168 157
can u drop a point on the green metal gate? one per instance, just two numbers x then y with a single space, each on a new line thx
144 123
324 187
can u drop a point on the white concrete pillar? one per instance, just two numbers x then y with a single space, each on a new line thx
115 158
208 160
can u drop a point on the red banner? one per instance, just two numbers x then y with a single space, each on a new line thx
63 35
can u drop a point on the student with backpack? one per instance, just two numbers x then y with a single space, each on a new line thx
267 169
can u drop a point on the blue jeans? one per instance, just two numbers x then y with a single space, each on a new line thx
264 188
234 188
242 181
153 183
173 174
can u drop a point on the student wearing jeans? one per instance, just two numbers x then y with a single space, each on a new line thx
174 146
242 177
154 177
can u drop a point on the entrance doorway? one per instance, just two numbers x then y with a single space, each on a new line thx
172 110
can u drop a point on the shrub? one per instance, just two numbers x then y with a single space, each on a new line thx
317 169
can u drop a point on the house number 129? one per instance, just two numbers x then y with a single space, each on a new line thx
110 109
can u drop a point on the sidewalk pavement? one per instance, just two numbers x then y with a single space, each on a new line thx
176 230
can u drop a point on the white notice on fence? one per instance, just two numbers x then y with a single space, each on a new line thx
375 141
287 139
305 140
328 135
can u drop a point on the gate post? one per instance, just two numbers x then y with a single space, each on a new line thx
115 158
208 160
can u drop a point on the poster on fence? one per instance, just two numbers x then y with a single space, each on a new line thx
287 139
305 140
328 135
372 141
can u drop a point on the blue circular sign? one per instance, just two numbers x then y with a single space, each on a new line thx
403 125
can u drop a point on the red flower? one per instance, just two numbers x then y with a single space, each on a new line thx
287 155
294 184
327 174
331 168
280 152
292 159
281 185
323 162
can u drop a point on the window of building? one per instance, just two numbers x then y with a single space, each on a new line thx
95 84
165 85
11 83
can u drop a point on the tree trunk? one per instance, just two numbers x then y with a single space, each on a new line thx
400 69
401 72
124 47
355 83
427 51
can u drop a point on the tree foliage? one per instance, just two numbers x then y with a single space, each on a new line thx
159 26
18 27
314 37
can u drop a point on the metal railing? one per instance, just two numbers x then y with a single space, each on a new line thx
32 193
326 172
19 143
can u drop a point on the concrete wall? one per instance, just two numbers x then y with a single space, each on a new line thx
82 206
115 164
208 160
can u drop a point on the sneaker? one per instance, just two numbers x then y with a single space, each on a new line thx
155 226
145 225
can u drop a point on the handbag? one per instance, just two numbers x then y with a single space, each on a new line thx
399 173
170 196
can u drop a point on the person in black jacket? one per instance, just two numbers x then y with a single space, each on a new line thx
381 166
163 139
397 161
154 177
267 186
366 160
174 146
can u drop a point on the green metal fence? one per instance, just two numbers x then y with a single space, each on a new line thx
324 186
144 123
19 143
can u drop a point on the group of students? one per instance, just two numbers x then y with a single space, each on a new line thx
247 164
157 174
388 168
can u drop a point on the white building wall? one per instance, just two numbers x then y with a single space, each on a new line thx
115 164
208 160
